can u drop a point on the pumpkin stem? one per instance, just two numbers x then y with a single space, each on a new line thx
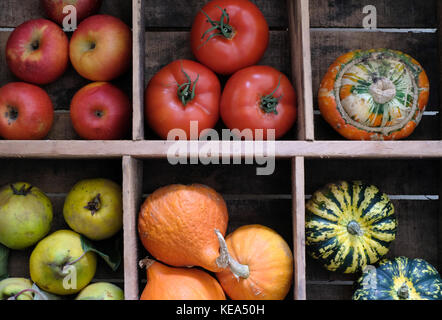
225 259
404 292
354 229
146 263
383 90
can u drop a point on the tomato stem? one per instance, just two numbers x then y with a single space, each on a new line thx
269 102
223 28
186 91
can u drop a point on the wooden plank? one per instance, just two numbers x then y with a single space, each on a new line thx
325 291
428 129
14 13
172 14
328 45
138 70
299 28
394 177
298 207
231 180
72 149
132 185
439 14
390 14
417 237
57 176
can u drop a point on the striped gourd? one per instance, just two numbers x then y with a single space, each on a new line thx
400 279
349 225
377 94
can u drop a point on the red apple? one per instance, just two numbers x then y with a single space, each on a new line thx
26 112
85 8
37 51
101 111
101 48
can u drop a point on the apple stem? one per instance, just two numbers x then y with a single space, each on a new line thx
14 297
35 45
23 190
75 261
94 205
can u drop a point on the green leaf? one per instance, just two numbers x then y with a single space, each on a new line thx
110 251
4 255
43 295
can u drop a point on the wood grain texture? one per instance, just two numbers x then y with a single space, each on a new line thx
132 185
14 13
138 70
299 29
298 209
172 14
321 291
391 14
72 149
439 15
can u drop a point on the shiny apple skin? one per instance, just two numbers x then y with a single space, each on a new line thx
101 111
37 51
85 8
26 112
101 48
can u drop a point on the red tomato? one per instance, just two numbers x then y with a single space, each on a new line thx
259 97
26 112
181 92
228 35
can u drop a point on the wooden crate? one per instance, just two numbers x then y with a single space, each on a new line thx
306 36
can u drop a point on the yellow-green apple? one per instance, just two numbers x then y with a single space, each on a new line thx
101 111
101 291
85 8
19 288
101 48
25 215
37 51
26 112
59 265
94 208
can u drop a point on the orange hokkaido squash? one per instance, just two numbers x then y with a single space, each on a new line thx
177 223
168 283
260 264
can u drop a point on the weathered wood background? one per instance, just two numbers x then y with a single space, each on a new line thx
336 27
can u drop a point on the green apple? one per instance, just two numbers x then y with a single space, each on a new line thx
12 286
94 208
101 291
59 265
25 215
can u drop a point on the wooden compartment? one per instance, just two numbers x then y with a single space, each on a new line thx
250 199
61 92
413 187
56 178
408 26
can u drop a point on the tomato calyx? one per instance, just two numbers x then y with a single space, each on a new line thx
186 91
269 103
223 28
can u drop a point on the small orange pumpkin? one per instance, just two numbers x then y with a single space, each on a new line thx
260 264
177 225
167 283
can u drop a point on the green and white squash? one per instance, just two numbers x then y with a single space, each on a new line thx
400 279
349 225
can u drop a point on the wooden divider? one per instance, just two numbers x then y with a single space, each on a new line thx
132 191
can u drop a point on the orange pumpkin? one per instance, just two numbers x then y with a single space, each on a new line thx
260 264
167 283
177 225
